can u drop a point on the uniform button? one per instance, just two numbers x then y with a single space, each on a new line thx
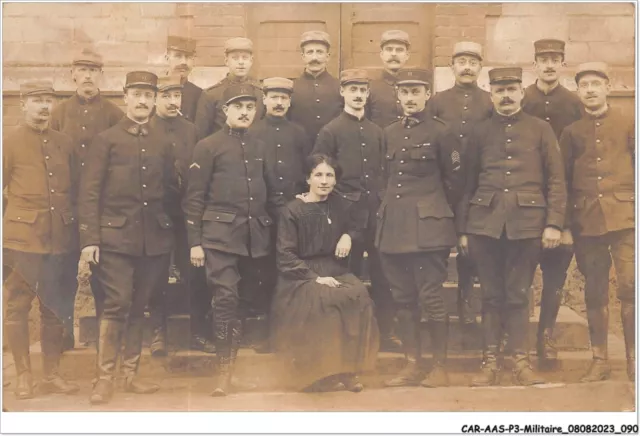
280 178
143 150
397 101
598 124
506 190
508 125
242 143
279 145
365 159
144 168
401 161
145 203
84 128
398 196
597 141
250 198
466 95
316 85
82 164
368 192
280 193
399 185
82 145
279 161
599 177
508 173
250 217
509 157
46 140
318 116
533 201
465 108
508 140
599 159
363 144
361 128
404 149
249 178
464 122
318 100
408 127
246 161
406 137
400 173
85 111
46 157
461 135
19 218
53 208
53 191
547 118
278 129
600 195
144 186
399 116
546 102
50 174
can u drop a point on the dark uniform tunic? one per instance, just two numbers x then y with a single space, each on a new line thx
315 101
83 119
39 225
190 95
229 195
599 155
129 187
560 107
383 106
320 331
514 190
415 227
210 117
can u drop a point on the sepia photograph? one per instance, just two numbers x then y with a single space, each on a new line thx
423 207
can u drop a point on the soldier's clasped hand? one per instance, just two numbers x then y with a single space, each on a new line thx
551 238
197 256
91 254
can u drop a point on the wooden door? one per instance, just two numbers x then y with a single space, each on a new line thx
364 23
275 29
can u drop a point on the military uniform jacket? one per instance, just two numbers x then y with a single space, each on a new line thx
599 155
286 147
83 119
461 108
182 136
383 106
40 175
128 189
229 195
315 102
516 179
560 107
210 117
190 95
424 183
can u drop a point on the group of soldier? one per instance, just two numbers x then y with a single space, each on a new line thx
513 177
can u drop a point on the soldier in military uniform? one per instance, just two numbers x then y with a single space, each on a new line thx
128 190
357 144
39 237
287 146
180 56
461 107
238 56
415 230
599 155
548 100
383 106
82 117
316 96
229 222
515 199
182 135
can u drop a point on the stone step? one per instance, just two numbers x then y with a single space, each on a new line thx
267 371
571 332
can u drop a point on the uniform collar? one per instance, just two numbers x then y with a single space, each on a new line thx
547 91
275 121
508 118
389 78
353 117
310 76
234 79
462 89
170 124
83 100
602 113
37 128
414 119
236 133
134 128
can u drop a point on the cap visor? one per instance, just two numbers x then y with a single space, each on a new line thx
89 63
467 53
168 88
242 97
412 82
140 85
597 73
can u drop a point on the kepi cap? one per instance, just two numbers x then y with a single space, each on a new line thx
141 78
505 74
238 91
467 48
413 76
542 46
599 68
277 83
315 36
86 56
40 87
238 44
166 83
395 36
353 76
180 43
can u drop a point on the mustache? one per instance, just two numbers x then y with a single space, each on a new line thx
506 100
141 106
550 70
358 99
243 118
467 73
182 66
44 112
279 108
315 62
173 107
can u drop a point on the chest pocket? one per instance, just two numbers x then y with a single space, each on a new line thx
423 153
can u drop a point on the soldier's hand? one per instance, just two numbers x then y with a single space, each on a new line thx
197 256
463 245
302 197
91 254
328 281
551 238
567 238
344 246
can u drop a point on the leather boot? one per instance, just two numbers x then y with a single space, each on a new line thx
412 374
18 337
465 287
491 335
158 345
131 358
352 383
237 329
438 376
599 369
109 343
549 307
523 374
628 313
52 339
68 342
223 334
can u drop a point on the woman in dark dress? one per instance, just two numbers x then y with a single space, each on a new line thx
323 319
